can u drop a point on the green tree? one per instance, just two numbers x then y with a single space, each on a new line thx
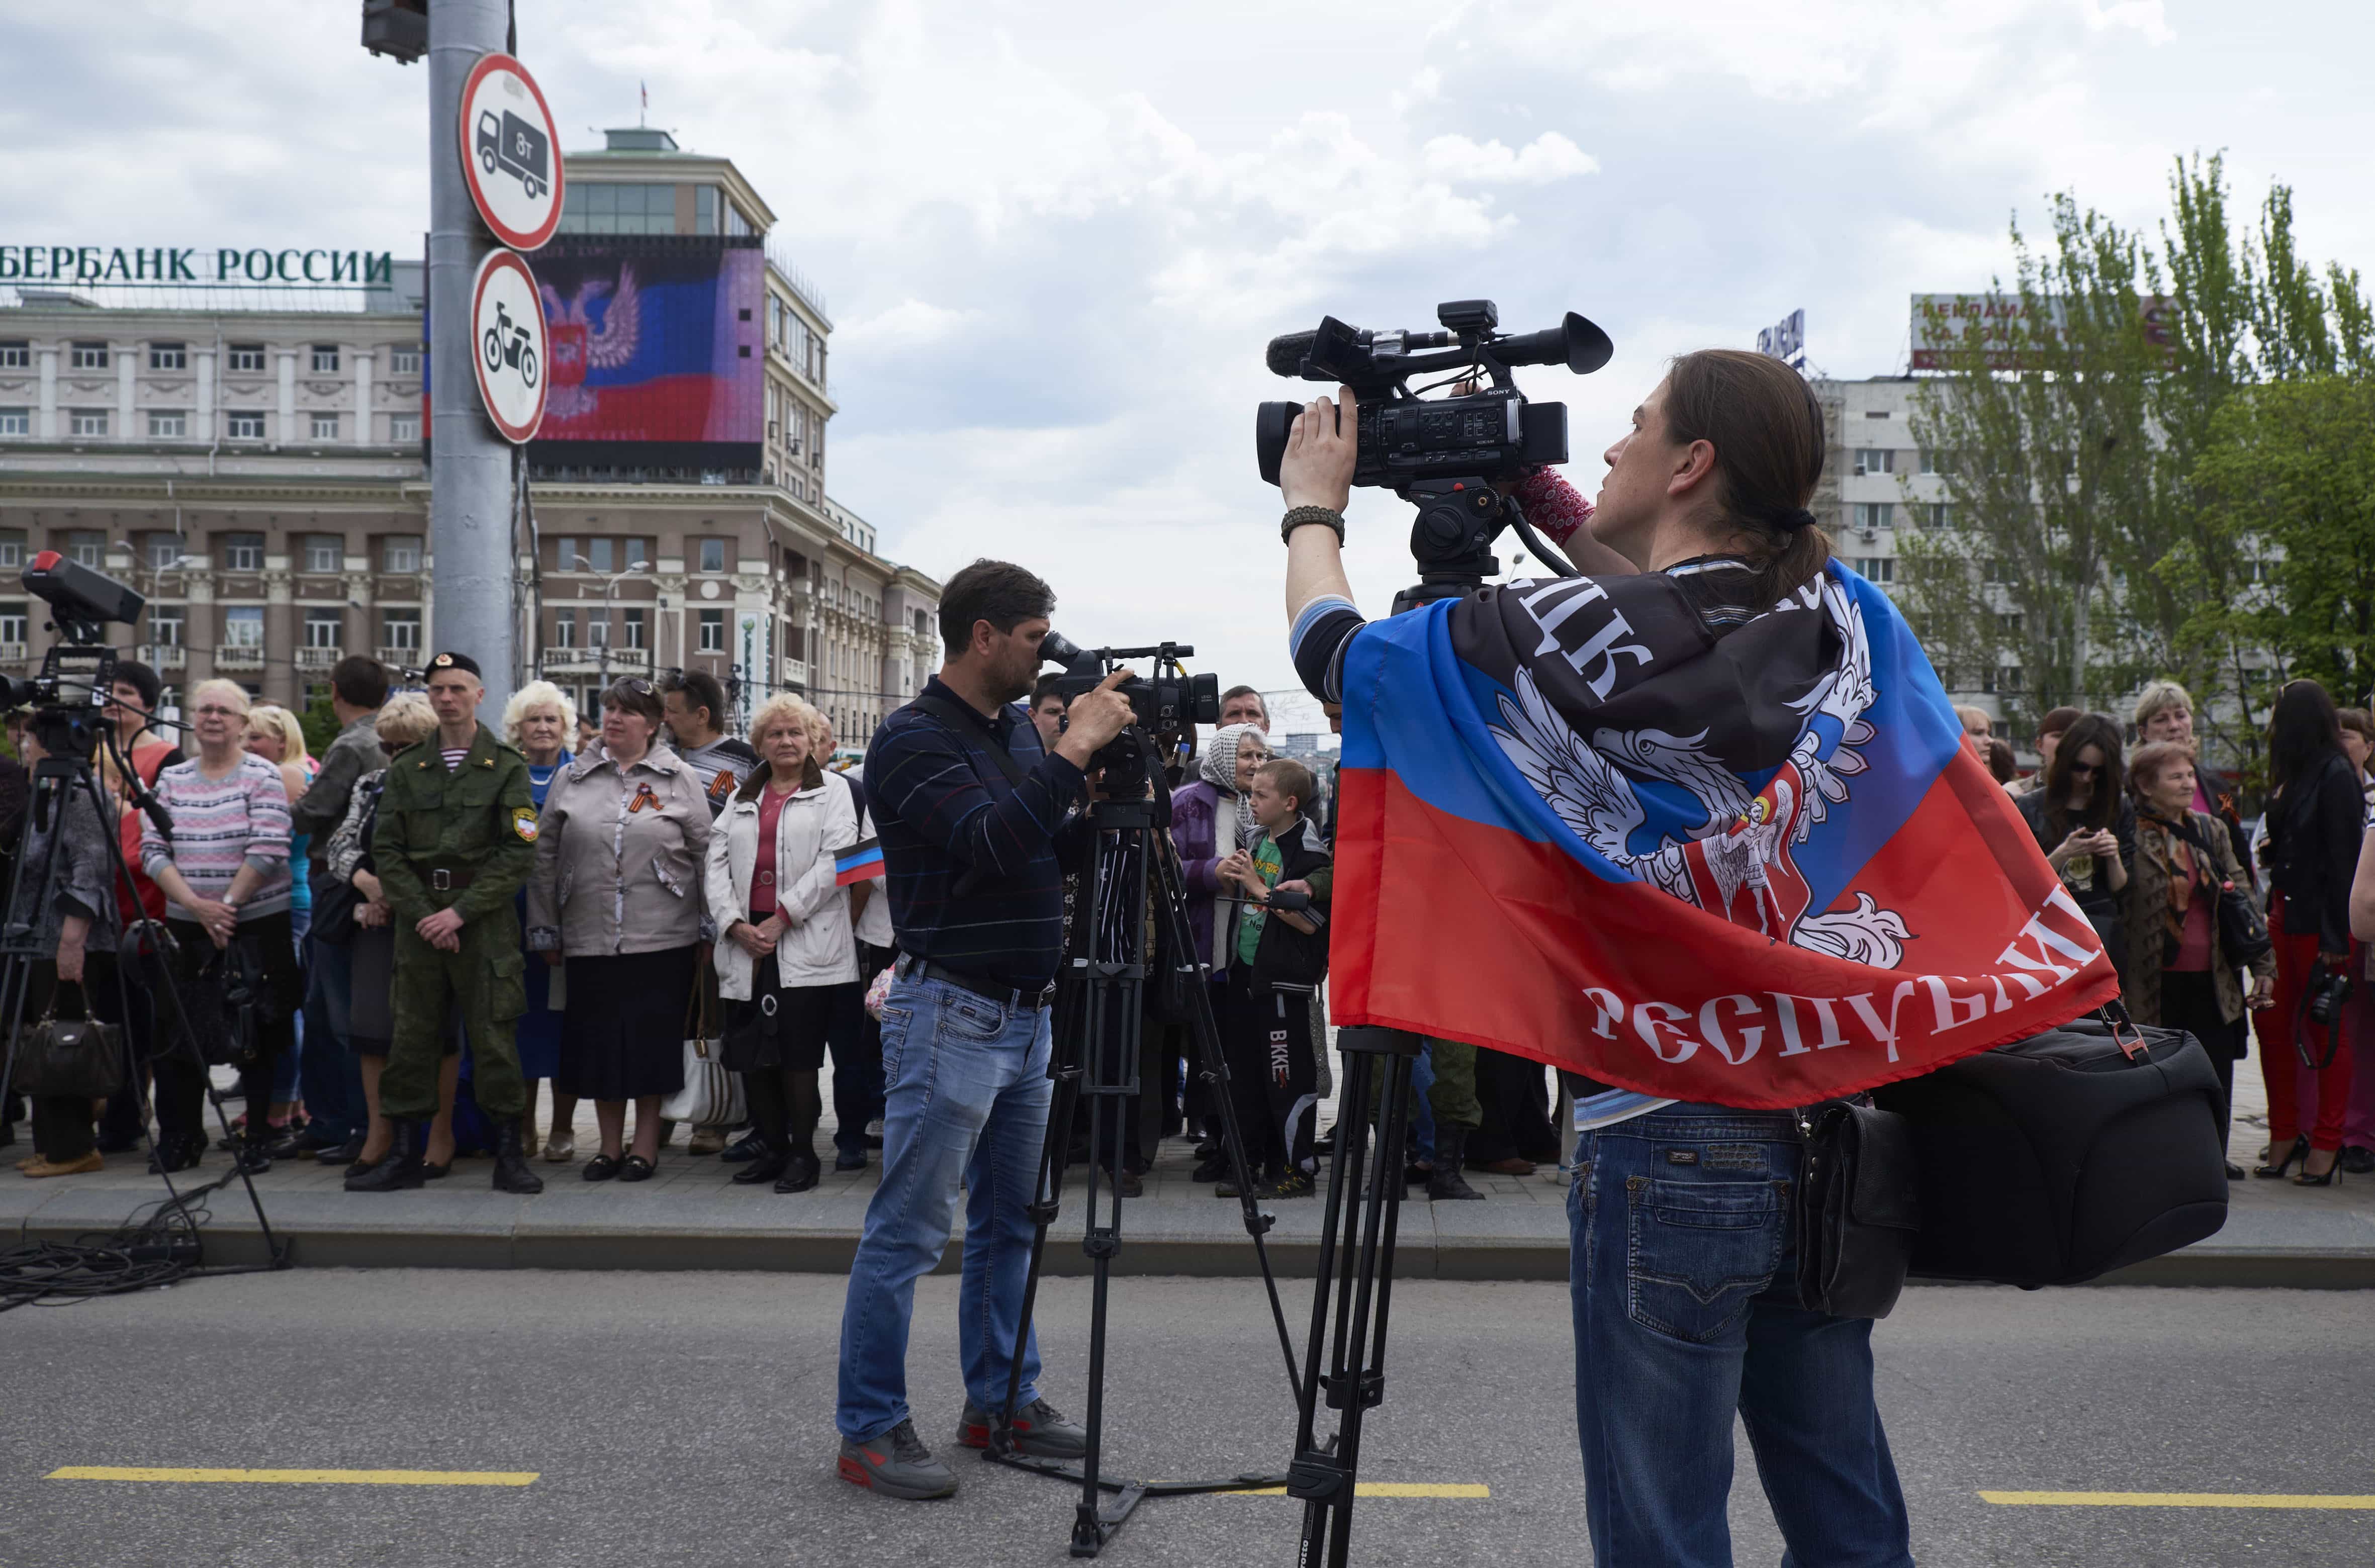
2290 471
319 721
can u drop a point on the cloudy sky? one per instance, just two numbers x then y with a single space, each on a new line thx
1055 238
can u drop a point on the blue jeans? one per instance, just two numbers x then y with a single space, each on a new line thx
327 1075
966 1094
1685 1311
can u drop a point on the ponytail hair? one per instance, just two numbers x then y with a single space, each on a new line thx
1766 427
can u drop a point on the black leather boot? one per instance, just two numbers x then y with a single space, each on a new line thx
401 1169
512 1173
1445 1181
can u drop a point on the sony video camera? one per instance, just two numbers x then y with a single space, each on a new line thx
1172 702
1444 454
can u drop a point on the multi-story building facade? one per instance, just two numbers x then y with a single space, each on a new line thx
258 473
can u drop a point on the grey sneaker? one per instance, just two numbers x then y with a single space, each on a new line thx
896 1465
1039 1428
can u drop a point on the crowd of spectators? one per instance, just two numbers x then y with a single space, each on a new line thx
2147 843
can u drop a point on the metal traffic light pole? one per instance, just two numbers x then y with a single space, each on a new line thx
469 464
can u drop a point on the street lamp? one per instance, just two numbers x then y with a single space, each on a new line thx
609 592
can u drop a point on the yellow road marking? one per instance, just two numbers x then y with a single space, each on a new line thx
1390 1489
303 1478
2182 1499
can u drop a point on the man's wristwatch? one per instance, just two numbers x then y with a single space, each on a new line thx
1298 516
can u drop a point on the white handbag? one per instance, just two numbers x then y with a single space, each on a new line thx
712 1096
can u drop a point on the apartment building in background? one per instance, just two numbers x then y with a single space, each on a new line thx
253 461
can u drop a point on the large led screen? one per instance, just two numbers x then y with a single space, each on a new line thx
658 350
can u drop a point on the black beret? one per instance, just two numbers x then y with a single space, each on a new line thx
455 661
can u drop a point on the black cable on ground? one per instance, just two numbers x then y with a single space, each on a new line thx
158 1245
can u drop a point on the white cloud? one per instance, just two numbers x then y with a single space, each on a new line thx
1054 246
1547 158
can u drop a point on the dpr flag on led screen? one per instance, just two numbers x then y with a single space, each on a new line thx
657 352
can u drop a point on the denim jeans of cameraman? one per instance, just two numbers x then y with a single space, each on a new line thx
1685 1312
966 1101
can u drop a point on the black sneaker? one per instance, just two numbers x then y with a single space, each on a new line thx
1295 1183
1039 1429
1214 1168
897 1465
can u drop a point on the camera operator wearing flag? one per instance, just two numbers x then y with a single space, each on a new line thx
1678 830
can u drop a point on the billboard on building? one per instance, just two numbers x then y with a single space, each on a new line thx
2011 328
657 352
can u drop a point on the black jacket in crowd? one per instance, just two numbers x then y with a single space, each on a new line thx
2314 828
1284 956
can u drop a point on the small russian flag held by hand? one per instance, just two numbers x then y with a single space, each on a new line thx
858 862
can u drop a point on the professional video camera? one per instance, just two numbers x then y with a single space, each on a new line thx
1443 454
1171 701
68 695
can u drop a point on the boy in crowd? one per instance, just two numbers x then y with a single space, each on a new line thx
1281 958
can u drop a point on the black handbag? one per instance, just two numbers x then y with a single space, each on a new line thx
69 1058
1859 1210
2062 1157
2242 931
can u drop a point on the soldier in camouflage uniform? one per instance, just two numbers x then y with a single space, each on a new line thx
456 838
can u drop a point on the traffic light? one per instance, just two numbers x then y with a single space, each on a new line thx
397 28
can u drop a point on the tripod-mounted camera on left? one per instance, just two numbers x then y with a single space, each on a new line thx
70 697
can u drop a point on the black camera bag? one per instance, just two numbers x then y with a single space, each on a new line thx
2059 1157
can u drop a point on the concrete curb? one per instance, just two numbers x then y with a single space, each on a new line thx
437 1242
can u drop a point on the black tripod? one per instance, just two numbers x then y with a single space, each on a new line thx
62 780
1132 871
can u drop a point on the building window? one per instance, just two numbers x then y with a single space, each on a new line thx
403 428
404 359
161 552
1929 460
165 624
400 630
86 547
12 548
704 210
322 628
326 359
1875 514
1875 460
325 552
2010 622
16 355
635 629
564 627
1993 570
400 552
13 621
89 357
608 207
713 632
243 625
16 422
1938 515
87 422
601 553
713 555
168 424
325 427
597 629
242 552
169 356
247 357
1877 567
245 426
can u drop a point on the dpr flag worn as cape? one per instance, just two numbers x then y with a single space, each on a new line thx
1760 870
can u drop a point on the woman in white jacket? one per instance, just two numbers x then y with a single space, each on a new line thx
786 962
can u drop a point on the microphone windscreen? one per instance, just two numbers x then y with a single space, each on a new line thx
1285 356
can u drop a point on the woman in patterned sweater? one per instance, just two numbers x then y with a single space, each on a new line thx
225 873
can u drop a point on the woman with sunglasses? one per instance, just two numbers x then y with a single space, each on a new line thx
2086 824
616 895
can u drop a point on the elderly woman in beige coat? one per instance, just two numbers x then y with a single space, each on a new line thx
787 962
617 894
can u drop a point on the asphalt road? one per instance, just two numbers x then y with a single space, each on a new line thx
686 1419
